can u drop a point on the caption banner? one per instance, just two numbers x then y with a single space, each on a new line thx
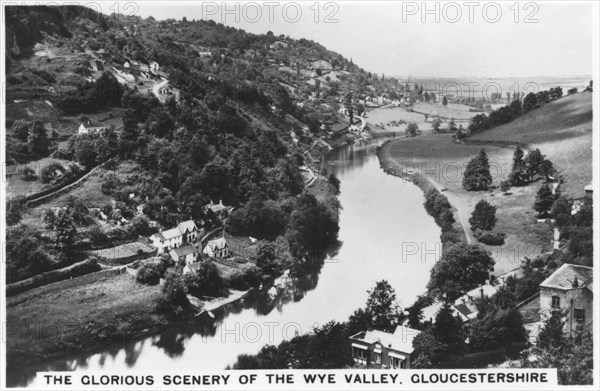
490 379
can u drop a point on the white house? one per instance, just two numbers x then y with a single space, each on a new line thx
189 231
167 240
569 290
185 254
89 129
185 232
217 248
219 208
154 66
379 349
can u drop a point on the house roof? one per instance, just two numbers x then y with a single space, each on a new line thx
193 266
401 340
188 225
217 244
564 278
184 250
158 235
486 290
171 233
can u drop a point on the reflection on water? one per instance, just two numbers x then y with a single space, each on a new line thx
380 215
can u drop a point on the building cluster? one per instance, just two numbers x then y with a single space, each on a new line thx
184 245
569 291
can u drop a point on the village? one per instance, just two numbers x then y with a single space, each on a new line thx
167 179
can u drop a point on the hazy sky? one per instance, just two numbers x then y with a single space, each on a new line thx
391 37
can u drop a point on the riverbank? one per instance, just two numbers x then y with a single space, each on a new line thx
458 230
437 161
92 316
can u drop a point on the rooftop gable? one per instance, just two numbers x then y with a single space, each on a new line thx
569 276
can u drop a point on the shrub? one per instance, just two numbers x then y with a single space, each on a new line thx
52 171
483 216
492 238
148 274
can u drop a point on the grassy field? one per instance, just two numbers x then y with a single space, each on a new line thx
79 318
385 115
562 131
16 186
113 254
452 110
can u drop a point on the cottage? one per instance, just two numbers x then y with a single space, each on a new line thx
144 67
569 289
466 305
154 66
90 129
189 231
217 248
191 267
217 209
167 240
185 254
379 349
185 232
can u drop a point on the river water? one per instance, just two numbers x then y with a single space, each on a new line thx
385 233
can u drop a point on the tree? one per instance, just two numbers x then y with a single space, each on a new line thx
477 174
461 268
518 174
552 334
574 362
266 259
435 125
13 213
533 162
448 330
546 169
544 200
497 328
452 125
516 108
530 102
383 306
561 210
483 216
206 281
64 229
148 274
173 291
37 139
412 129
428 351
445 101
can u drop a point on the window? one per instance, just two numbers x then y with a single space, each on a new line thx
360 353
579 314
555 301
377 358
397 363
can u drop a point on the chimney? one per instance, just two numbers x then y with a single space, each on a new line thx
221 202
481 291
575 283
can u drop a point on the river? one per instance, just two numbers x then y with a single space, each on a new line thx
385 233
